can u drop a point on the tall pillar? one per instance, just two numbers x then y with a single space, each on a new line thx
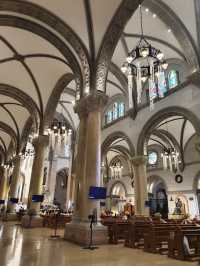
140 182
3 184
87 167
40 145
13 193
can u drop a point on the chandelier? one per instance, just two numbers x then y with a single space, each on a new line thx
116 170
8 165
27 153
143 63
170 159
59 134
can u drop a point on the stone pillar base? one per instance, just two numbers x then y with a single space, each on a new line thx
30 222
79 233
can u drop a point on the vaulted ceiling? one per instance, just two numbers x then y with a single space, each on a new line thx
49 51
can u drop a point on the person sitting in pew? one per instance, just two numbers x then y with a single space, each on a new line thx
158 218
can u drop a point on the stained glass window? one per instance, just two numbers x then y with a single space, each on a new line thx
172 79
109 116
121 109
117 110
152 158
162 86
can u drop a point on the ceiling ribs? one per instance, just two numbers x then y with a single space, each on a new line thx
90 30
20 58
12 118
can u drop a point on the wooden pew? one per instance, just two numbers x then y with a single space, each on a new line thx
178 247
136 229
117 229
157 239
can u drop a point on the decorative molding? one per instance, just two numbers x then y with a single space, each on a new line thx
54 98
54 22
111 38
139 160
24 99
114 136
160 116
94 101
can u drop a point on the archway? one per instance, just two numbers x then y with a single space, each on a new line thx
60 196
118 195
158 196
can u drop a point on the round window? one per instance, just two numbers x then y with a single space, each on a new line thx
152 157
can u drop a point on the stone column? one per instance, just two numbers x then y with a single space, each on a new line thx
40 145
15 182
88 171
140 182
3 184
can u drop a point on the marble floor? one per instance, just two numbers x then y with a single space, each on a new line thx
33 247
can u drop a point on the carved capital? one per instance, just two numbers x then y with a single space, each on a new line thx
93 102
41 140
139 160
195 78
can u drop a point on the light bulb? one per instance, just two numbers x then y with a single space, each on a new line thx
144 52
160 55
123 68
129 59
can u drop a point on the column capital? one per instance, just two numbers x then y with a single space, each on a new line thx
16 159
41 140
93 102
139 160
195 78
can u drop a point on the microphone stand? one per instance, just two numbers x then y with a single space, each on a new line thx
90 245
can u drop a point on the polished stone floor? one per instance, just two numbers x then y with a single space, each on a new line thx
33 247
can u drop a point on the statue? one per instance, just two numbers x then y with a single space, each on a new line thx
179 207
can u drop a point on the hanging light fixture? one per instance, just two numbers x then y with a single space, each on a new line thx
170 159
145 62
59 134
116 170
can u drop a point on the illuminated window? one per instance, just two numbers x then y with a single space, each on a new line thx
162 85
121 109
117 110
152 158
173 79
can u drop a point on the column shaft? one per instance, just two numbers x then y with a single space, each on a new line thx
40 145
140 182
3 185
89 153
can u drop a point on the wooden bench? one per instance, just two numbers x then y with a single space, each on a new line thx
157 239
178 246
117 229
135 233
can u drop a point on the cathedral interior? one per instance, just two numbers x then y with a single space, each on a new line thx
99 132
